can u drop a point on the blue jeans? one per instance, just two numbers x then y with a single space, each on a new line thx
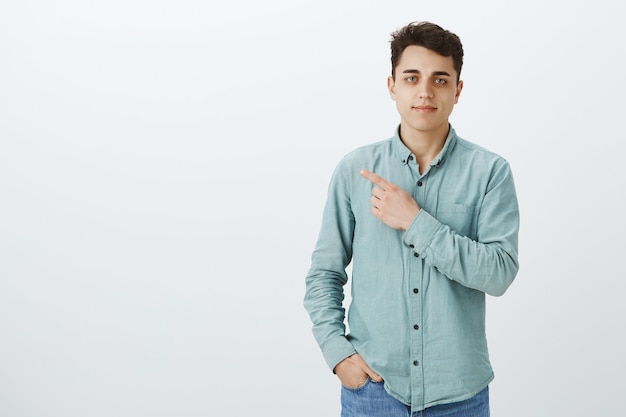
371 400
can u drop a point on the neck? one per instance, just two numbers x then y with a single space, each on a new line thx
424 145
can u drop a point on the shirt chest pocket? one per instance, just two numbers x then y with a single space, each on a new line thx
461 218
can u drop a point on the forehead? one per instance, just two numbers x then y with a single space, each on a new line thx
424 60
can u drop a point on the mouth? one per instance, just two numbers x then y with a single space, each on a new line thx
425 108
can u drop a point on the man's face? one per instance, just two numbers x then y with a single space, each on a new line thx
425 90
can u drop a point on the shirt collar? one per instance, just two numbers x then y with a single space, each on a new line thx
405 155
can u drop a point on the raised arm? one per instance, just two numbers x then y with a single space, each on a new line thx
489 263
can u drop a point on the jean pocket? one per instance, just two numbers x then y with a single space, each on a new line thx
368 380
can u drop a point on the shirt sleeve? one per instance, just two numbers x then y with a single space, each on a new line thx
327 276
487 264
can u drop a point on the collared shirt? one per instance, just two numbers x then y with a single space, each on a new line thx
417 314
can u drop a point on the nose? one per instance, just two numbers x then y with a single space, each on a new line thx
424 89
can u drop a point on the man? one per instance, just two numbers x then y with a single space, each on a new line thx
430 223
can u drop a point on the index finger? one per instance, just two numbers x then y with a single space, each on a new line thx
375 178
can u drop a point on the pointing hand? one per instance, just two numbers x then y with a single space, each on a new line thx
390 203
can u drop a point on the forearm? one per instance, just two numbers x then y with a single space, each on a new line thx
324 302
489 266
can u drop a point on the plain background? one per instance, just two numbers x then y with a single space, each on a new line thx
163 168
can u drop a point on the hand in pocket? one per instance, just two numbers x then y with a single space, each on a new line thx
353 372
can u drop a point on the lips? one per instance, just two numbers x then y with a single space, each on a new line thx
425 108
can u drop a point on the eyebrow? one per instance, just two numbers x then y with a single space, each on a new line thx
414 71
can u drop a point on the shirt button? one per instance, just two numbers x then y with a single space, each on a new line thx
415 290
416 363
417 255
419 183
410 157
416 327
411 246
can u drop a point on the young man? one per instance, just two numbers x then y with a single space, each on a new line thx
430 223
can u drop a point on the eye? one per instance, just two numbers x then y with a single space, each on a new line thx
411 79
440 81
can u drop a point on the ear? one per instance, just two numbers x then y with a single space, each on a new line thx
391 86
459 87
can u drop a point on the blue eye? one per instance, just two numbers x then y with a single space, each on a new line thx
411 79
440 81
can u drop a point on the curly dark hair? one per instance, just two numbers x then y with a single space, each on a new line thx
430 36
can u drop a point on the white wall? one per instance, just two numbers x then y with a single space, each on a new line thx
163 167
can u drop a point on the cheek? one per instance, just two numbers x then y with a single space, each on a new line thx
453 98
404 95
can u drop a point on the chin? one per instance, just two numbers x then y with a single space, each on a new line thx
421 127
428 127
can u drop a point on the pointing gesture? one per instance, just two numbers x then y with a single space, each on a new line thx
390 203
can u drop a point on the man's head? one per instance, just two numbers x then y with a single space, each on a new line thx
429 36
425 81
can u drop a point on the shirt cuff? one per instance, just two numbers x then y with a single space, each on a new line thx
337 350
421 231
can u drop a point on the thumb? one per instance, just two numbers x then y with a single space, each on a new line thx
373 375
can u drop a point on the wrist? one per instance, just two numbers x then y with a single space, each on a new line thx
412 219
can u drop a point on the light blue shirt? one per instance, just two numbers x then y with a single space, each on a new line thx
417 315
